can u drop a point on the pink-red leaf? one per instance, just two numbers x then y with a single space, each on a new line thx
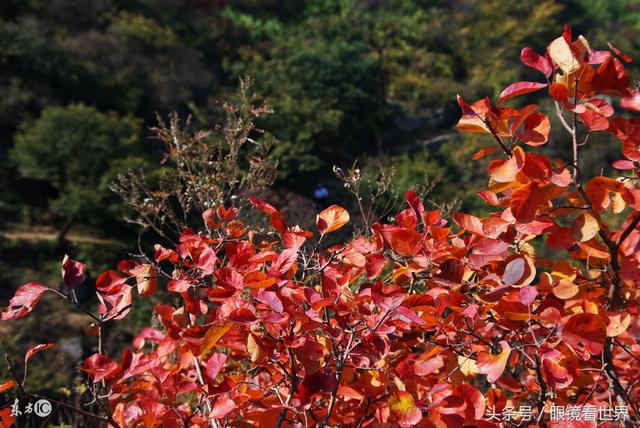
494 365
25 299
533 59
215 363
519 88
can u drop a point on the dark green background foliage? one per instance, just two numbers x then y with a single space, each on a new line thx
82 82
374 80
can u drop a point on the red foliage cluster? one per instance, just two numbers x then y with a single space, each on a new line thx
422 322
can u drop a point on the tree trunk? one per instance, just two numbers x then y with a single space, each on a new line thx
62 235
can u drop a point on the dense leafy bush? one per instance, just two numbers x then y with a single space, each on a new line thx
420 322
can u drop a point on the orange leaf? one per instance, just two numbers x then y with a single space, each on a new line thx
599 190
585 227
331 219
146 280
494 365
485 151
525 202
565 289
213 335
536 129
506 171
7 385
618 323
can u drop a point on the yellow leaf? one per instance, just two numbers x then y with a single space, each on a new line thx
404 409
561 55
212 336
468 366
253 349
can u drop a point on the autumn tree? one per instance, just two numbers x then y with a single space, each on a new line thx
421 321
78 150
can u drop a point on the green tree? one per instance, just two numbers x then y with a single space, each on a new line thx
78 150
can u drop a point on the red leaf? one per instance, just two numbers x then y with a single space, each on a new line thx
242 315
137 364
275 218
469 223
405 242
72 272
36 349
617 51
566 33
375 264
207 260
536 130
611 78
474 400
560 93
178 286
514 270
284 262
222 407
527 295
314 383
533 59
100 367
414 201
586 332
25 299
624 165
519 88
631 102
108 282
7 418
